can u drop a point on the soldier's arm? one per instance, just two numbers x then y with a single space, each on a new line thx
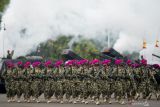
12 53
4 74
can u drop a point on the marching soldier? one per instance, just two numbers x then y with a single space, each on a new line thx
130 84
37 81
27 82
48 81
7 75
155 75
79 80
19 81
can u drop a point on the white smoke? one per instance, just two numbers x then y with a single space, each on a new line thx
147 54
29 22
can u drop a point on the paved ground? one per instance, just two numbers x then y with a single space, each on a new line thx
4 103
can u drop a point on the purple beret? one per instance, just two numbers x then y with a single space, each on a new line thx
144 61
19 63
95 61
27 64
10 65
58 63
36 64
48 63
106 61
118 61
129 62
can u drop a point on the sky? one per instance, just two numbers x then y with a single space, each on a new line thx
30 22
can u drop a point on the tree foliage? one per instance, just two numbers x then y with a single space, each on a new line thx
52 49
84 48
3 3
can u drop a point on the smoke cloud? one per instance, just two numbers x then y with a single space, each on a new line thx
29 22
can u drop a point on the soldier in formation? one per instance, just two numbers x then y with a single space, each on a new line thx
81 81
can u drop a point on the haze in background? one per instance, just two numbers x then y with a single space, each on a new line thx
30 22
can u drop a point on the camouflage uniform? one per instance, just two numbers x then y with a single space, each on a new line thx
69 84
149 84
156 86
37 84
106 94
75 85
57 85
144 87
138 79
89 86
131 84
48 92
118 86
19 83
12 84
7 75
98 84
26 87
62 86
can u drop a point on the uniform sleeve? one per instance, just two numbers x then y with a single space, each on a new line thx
4 74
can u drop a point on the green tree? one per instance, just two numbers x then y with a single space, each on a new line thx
3 4
84 47
52 48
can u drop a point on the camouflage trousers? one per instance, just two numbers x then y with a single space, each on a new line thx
145 88
48 89
68 89
57 88
156 91
130 89
36 88
19 88
76 89
26 89
10 88
87 89
97 88
62 86
106 91
118 87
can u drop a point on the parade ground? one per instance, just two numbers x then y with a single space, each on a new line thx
4 103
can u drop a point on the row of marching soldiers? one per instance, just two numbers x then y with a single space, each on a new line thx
81 81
